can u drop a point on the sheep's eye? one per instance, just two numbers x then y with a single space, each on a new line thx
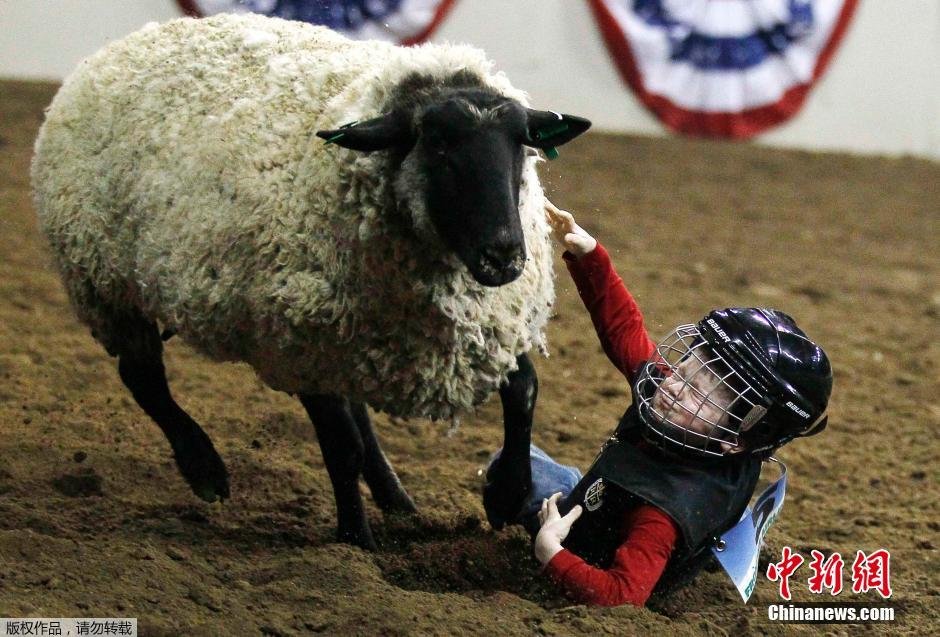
436 144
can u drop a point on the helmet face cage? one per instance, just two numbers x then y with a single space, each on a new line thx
692 400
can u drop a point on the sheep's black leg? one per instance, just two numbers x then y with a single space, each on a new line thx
386 489
140 364
343 454
509 479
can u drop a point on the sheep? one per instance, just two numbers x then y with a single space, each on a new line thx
404 264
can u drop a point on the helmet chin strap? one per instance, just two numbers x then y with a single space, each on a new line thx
811 429
753 416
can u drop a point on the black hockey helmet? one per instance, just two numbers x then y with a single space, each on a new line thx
767 383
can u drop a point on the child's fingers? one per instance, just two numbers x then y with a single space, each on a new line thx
550 512
557 216
544 513
553 506
564 219
573 515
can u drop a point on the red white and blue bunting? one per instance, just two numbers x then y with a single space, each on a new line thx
722 68
401 21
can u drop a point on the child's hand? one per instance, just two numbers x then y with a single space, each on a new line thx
554 529
569 234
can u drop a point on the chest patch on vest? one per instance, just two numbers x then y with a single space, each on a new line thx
594 496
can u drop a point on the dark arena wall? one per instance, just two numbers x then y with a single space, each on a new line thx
95 520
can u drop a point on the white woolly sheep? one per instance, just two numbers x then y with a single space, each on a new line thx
179 182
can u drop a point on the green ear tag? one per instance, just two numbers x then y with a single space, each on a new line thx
551 152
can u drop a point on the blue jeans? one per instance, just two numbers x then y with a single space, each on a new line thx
548 477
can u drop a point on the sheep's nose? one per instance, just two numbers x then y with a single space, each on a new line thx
502 255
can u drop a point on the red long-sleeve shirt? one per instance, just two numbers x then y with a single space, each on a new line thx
649 535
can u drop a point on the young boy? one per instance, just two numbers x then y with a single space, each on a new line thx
711 402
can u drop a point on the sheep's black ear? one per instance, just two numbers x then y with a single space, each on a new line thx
379 133
548 129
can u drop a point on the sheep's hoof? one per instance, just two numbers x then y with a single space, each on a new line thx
503 506
205 472
504 495
211 487
399 503
208 493
361 537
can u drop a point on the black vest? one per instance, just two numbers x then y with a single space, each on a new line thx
704 497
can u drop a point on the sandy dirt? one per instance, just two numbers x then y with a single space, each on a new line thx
96 521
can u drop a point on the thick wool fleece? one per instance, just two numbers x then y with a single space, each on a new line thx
177 175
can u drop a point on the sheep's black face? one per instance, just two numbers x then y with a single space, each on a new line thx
469 147
473 158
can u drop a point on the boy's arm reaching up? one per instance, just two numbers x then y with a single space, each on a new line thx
615 314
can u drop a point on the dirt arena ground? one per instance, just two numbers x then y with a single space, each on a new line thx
95 520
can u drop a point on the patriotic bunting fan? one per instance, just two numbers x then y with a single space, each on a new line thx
722 68
401 21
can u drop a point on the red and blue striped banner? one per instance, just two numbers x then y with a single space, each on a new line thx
402 21
722 68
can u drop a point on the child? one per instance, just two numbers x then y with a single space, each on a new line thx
711 402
